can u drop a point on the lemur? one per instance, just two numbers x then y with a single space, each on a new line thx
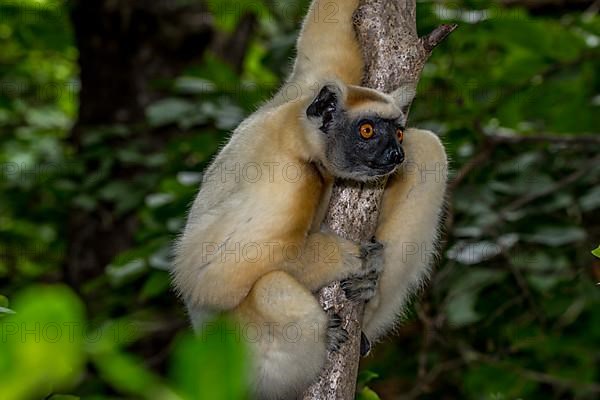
254 245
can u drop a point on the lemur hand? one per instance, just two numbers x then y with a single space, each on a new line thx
363 286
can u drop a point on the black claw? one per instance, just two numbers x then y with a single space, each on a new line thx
365 345
351 296
335 321
344 336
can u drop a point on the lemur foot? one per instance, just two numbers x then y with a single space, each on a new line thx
336 334
363 286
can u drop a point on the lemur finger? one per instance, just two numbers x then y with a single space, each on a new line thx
372 256
360 288
371 247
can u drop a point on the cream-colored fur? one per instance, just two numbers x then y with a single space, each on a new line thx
248 247
326 49
327 44
253 245
408 228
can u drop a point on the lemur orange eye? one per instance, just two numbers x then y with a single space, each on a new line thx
366 130
400 134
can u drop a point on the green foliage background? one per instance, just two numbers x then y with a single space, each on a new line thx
511 310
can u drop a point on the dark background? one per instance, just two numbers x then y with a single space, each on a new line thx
110 110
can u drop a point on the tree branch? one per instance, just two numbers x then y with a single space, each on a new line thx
394 57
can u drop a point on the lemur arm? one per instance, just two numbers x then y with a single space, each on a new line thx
408 228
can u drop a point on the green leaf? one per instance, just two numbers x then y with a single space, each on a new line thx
213 365
367 394
168 111
591 200
4 301
227 13
460 307
5 310
557 235
495 382
128 375
366 376
120 274
596 252
158 283
474 253
41 348
193 85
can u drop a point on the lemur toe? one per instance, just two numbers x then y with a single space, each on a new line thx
336 334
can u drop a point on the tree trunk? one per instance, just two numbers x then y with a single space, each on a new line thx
395 57
125 47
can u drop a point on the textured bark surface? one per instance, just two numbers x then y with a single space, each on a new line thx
395 57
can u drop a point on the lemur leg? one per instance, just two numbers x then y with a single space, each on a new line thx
326 258
288 335
408 228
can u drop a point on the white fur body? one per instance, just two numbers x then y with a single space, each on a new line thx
253 245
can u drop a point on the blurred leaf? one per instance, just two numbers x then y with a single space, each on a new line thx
155 200
596 252
161 259
366 376
367 394
168 111
557 236
47 118
462 300
4 301
213 365
591 200
495 383
42 345
120 274
473 253
127 374
193 85
158 283
227 13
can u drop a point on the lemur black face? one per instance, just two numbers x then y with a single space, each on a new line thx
359 149
371 146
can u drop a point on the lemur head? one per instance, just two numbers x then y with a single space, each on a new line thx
361 131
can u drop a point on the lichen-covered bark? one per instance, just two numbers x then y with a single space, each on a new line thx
394 57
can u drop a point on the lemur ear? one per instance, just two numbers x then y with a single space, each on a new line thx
325 103
404 95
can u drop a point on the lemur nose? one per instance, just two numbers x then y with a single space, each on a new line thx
393 155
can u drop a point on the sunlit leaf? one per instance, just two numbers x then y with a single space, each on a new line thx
212 366
367 394
41 348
